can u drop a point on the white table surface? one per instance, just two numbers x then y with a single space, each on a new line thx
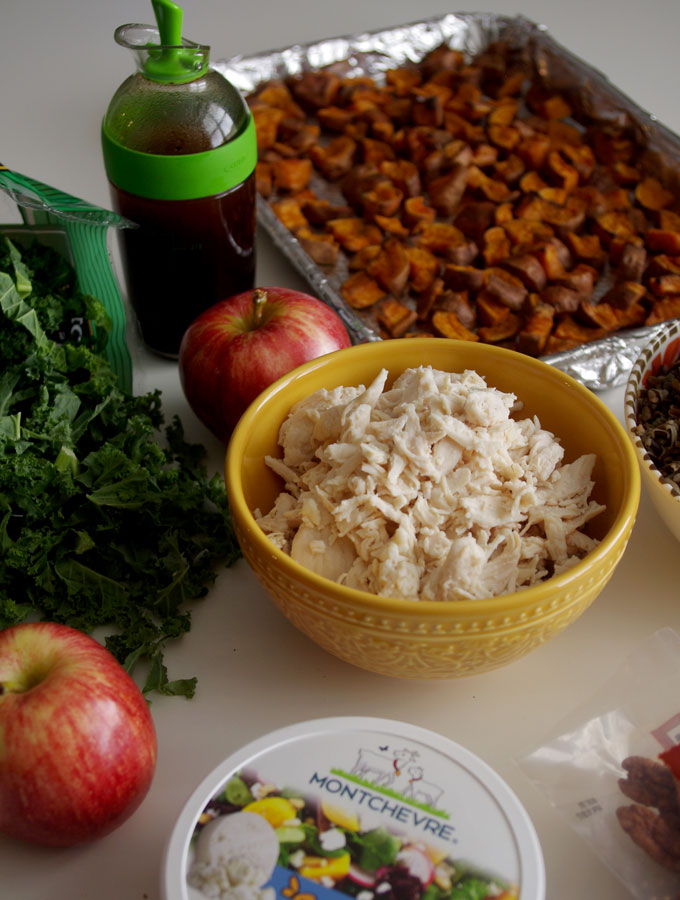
59 67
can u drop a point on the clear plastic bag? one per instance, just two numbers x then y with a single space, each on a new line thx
603 774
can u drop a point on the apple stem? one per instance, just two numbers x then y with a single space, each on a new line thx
259 301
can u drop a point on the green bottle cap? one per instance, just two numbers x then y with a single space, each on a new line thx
174 60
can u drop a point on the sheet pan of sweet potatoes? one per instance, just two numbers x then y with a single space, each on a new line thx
470 178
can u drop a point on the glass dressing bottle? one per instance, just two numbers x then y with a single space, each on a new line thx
179 151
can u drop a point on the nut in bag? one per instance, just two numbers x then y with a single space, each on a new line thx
612 769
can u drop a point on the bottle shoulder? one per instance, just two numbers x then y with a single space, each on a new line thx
169 119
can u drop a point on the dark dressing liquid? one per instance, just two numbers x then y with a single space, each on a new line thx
184 257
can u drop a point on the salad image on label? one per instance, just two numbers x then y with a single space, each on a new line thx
259 841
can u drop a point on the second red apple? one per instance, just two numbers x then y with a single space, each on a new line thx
241 345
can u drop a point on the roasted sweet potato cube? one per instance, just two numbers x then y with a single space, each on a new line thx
664 285
319 211
663 310
395 317
503 111
300 137
621 245
504 136
447 191
600 314
624 294
427 298
668 220
501 331
263 178
266 119
662 241
362 258
474 219
403 79
580 157
335 118
548 106
438 237
509 170
562 172
533 150
353 233
528 269
424 267
391 225
568 329
567 218
615 224
632 263
292 174
512 85
531 182
555 195
384 199
316 89
404 174
391 266
505 286
447 324
525 233
322 248
463 278
417 213
496 247
427 109
335 159
563 299
651 194
458 302
549 257
375 152
493 190
533 336
586 248
484 155
490 310
361 291
581 278
662 264
289 213
503 213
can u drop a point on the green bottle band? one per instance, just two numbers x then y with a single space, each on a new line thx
187 176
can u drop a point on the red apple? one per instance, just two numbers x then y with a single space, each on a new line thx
241 345
77 741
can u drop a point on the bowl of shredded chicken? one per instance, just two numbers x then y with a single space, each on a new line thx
431 508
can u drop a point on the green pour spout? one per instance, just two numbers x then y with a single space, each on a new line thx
174 59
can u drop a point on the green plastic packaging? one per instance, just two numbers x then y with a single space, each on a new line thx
79 230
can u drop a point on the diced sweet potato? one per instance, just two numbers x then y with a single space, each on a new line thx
404 174
395 317
361 291
490 310
475 218
463 278
447 190
289 213
567 329
382 200
353 233
423 267
322 248
501 331
427 298
528 269
416 212
533 336
664 285
448 325
318 211
391 266
651 194
662 241
335 159
391 225
624 294
292 174
663 310
581 279
458 302
335 118
316 89
586 248
506 287
563 299
266 119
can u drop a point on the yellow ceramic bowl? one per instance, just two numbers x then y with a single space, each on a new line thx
433 639
663 349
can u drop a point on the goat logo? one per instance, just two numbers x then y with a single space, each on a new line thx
380 768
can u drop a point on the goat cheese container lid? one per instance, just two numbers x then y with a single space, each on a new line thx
358 807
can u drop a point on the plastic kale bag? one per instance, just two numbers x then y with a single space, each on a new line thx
614 774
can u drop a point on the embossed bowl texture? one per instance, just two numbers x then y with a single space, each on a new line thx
662 350
448 639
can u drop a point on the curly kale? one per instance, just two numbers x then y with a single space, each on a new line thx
108 518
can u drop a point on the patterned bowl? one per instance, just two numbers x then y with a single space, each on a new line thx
434 640
662 350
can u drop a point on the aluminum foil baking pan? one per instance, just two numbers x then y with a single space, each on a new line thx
600 364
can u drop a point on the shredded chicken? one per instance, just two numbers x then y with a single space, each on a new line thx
428 490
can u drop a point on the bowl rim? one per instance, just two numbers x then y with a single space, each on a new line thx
663 348
538 594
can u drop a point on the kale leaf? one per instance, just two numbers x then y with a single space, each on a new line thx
108 517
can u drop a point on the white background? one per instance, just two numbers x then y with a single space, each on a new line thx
59 67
